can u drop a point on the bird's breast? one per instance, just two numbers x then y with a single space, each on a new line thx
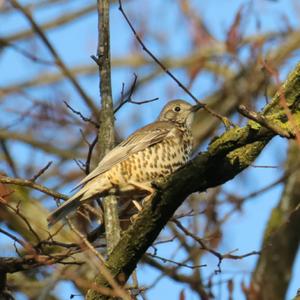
154 162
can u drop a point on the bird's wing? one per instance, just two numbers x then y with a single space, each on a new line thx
139 140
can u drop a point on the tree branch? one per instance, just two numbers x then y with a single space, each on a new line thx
226 122
281 238
57 22
44 146
89 102
226 157
106 136
33 185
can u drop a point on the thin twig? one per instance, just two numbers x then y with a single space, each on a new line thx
260 119
179 264
226 122
22 243
41 145
220 256
54 54
25 53
89 156
282 100
18 213
87 284
165 69
59 20
85 119
29 183
129 97
41 172
80 164
101 263
8 157
264 167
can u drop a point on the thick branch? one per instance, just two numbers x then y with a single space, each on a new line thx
281 238
226 157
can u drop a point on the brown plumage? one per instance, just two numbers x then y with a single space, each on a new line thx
152 152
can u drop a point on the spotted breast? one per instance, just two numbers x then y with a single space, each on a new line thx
152 152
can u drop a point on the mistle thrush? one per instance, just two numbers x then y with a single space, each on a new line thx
152 152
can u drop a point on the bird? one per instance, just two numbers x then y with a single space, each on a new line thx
129 170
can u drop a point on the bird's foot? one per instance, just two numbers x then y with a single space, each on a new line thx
133 218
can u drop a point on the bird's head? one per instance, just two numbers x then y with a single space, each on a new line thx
180 112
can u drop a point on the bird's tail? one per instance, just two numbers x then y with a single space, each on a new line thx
62 211
87 192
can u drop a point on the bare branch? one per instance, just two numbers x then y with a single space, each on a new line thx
85 119
41 172
89 156
220 256
44 146
20 215
226 156
129 97
61 20
55 55
106 134
260 119
22 243
27 54
226 122
179 264
30 184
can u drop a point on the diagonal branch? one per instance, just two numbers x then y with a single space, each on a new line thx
33 185
60 20
41 145
226 122
89 102
225 158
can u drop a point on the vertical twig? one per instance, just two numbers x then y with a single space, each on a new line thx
106 130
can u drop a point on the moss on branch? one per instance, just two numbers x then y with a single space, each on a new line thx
226 157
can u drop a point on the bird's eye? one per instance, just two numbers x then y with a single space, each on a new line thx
177 108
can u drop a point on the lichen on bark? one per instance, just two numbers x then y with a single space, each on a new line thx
226 157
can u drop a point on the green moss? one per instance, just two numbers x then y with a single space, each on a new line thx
227 155
245 155
226 140
276 219
254 125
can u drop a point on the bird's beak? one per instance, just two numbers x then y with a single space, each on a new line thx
197 107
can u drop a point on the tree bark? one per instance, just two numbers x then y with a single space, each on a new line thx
226 157
106 131
281 238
